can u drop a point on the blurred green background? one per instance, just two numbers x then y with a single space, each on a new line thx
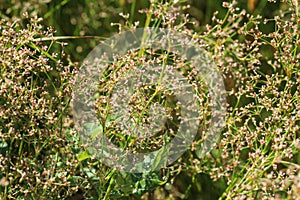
96 17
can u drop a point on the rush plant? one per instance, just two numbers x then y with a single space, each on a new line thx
256 157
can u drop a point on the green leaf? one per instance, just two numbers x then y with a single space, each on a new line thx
83 156
143 183
97 131
90 172
3 145
93 129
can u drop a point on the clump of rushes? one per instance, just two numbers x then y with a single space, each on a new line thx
36 159
258 155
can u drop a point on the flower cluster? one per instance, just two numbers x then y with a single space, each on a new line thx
34 86
257 154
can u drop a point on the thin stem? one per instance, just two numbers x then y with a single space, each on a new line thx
132 10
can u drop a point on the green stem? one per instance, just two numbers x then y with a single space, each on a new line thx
66 38
109 187
132 11
147 23
157 90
